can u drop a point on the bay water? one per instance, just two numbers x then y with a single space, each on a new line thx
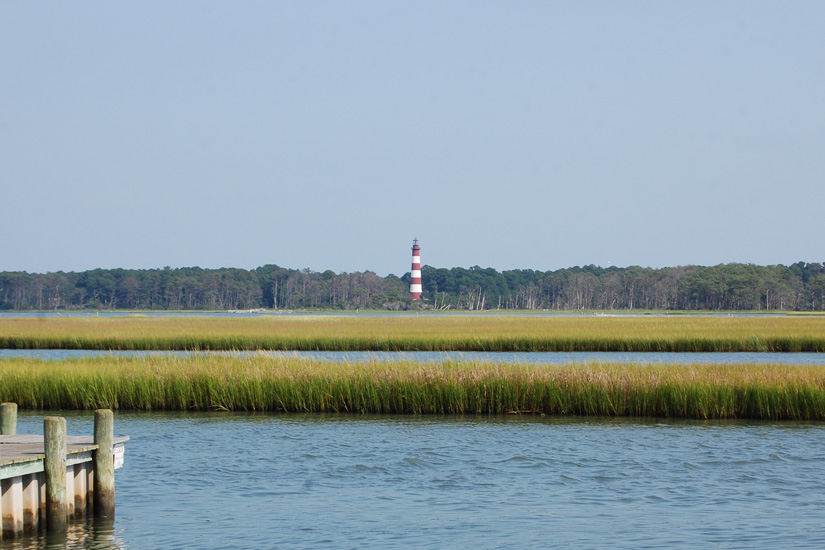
533 358
236 480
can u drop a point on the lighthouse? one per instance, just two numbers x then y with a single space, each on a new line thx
415 276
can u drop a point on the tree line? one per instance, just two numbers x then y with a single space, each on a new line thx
798 287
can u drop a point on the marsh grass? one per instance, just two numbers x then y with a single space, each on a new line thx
263 383
423 333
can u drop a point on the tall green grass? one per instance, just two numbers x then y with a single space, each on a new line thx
425 333
262 383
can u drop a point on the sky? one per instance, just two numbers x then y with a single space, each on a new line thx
327 135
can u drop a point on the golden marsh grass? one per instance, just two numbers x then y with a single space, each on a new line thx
264 383
424 332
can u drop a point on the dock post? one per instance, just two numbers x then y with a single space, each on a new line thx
54 438
8 418
104 477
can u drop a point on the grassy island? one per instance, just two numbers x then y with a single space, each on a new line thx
420 333
260 382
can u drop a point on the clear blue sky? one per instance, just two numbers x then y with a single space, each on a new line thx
327 135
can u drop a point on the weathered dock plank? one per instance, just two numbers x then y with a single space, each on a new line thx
26 447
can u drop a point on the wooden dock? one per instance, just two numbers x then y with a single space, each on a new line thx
34 498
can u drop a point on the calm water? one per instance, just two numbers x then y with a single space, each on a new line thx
281 313
537 358
294 481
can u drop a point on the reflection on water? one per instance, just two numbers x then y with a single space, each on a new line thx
92 535
219 480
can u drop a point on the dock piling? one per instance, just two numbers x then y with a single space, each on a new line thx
54 433
104 471
8 418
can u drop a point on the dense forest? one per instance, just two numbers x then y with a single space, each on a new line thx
799 287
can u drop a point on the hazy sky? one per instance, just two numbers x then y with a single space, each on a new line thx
327 135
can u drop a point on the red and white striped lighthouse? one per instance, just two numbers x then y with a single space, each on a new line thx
415 276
